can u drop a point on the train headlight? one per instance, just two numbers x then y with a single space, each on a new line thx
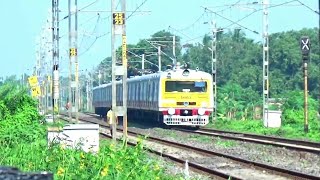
171 111
204 104
169 75
201 111
185 73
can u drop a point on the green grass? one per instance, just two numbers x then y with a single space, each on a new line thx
23 144
225 143
110 163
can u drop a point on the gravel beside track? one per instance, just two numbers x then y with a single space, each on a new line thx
289 159
275 156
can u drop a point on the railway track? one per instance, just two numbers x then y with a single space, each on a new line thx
193 166
299 145
245 164
294 144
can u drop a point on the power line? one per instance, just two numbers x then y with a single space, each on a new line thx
198 19
272 6
94 29
259 10
192 39
136 9
188 37
97 37
80 9
88 5
308 7
206 9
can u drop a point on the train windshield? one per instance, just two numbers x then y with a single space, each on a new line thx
186 86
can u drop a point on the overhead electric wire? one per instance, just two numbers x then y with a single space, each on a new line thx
80 9
97 37
136 9
198 19
206 9
94 29
308 7
182 29
230 6
109 32
188 36
272 6
184 42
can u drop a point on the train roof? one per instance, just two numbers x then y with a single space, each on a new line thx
174 74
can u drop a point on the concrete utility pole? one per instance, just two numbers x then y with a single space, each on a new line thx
265 70
76 61
114 88
214 69
174 50
118 23
70 98
124 77
159 58
142 62
87 89
55 56
73 57
99 77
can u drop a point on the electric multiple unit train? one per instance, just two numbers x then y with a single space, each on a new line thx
179 96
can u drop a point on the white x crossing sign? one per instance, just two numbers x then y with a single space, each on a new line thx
305 45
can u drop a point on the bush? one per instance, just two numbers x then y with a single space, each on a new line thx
293 109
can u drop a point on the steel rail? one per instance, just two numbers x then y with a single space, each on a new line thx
299 145
280 171
295 144
194 166
266 137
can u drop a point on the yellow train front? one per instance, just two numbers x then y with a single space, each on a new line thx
174 97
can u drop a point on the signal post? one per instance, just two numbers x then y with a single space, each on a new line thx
305 50
118 27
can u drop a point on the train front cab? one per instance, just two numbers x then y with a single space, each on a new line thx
186 102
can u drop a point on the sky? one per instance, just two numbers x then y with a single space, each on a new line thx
25 21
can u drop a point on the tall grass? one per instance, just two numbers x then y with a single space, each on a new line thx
23 144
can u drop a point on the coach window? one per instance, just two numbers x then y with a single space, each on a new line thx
156 91
150 91
144 91
138 92
133 92
186 86
129 92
